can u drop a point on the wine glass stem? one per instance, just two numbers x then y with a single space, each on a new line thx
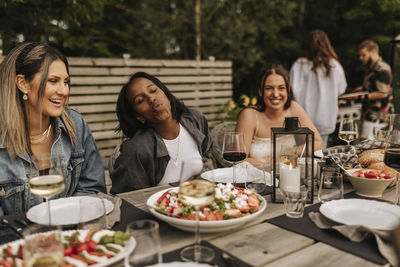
234 172
397 189
197 237
48 208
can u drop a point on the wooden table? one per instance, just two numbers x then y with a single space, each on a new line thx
258 243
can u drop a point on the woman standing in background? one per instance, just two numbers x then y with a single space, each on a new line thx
317 80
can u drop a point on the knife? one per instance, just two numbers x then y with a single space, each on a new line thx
17 230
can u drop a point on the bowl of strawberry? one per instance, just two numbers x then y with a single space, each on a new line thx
370 182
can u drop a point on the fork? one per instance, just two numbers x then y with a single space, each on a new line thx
17 230
228 260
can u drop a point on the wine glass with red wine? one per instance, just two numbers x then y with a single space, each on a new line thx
392 149
234 149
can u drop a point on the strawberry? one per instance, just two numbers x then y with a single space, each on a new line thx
253 202
163 197
81 258
209 216
82 247
233 213
68 251
92 245
6 263
370 175
100 254
218 215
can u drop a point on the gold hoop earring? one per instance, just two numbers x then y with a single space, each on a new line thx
25 96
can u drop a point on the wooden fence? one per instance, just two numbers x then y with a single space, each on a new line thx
96 82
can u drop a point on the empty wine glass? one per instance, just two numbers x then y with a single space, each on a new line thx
348 130
379 133
256 178
148 248
46 178
43 246
196 192
92 213
233 149
392 149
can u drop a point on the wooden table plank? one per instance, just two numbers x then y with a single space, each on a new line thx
322 255
261 243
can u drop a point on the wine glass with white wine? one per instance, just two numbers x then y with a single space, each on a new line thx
348 130
195 192
46 178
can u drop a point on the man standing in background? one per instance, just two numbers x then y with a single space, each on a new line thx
377 82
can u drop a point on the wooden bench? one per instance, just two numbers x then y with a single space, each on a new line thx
96 82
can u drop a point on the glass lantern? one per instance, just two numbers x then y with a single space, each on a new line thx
292 159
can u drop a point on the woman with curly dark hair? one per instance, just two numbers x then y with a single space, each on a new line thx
161 132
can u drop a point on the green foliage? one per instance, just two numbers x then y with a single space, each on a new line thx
251 33
230 111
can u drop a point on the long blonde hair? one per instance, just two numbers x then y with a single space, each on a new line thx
27 59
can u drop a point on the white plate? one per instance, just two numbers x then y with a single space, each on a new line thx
129 247
225 175
64 211
370 213
205 226
181 264
318 154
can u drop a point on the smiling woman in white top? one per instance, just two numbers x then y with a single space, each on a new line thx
273 105
317 81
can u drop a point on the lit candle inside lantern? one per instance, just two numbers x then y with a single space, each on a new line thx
289 177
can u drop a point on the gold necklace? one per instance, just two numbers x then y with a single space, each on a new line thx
175 160
41 138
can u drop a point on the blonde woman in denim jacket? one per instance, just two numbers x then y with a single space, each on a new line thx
34 120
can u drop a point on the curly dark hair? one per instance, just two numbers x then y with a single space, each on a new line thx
128 123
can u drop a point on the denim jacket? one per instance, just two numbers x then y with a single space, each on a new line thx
83 169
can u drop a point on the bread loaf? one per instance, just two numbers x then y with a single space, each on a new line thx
371 156
382 166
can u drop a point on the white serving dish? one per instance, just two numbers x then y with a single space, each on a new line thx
129 247
65 211
225 175
369 213
367 187
205 226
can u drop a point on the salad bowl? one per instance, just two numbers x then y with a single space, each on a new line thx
205 226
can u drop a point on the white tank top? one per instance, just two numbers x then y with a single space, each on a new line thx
181 148
261 146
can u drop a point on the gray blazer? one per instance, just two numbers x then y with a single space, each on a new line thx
144 157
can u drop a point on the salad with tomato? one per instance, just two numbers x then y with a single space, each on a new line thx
230 202
81 248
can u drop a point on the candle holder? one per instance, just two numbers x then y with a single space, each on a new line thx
292 159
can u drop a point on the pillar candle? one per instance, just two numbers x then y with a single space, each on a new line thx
289 178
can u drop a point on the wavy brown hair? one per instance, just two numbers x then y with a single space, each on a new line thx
262 77
27 59
320 51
